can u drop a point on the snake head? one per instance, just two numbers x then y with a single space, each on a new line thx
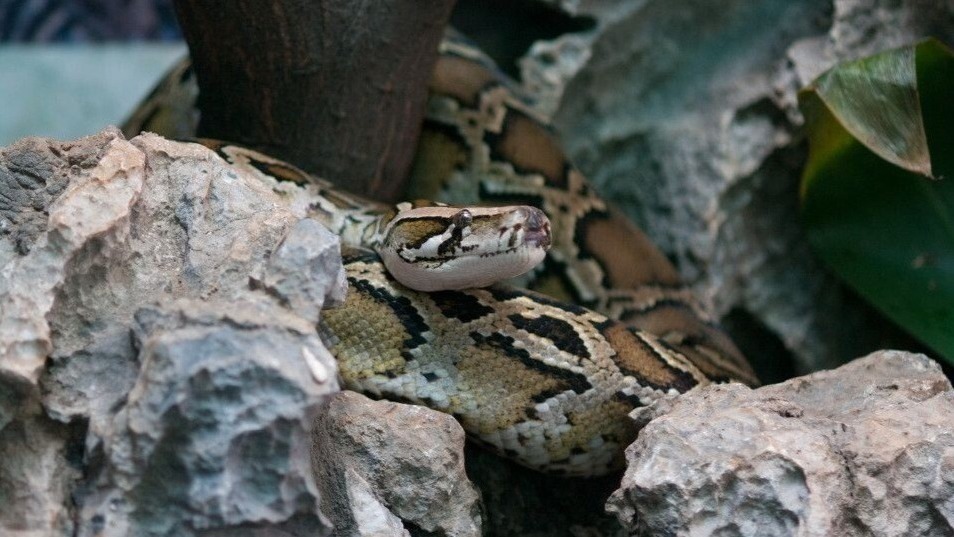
435 248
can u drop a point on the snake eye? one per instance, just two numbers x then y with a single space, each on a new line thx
462 219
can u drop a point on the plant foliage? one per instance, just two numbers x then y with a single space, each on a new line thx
877 192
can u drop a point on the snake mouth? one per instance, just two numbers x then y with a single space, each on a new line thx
498 253
538 238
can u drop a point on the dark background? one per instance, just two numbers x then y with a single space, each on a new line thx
90 21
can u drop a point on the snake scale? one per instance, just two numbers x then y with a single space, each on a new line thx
545 373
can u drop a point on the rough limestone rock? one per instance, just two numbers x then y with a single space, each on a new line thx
218 398
311 246
159 364
685 115
56 201
37 475
865 449
386 468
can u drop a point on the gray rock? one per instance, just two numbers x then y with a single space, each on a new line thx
863 27
173 419
14 393
36 478
296 272
865 449
216 431
57 199
367 515
383 467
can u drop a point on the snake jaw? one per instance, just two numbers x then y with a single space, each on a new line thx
441 248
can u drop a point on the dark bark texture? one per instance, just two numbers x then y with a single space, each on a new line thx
337 87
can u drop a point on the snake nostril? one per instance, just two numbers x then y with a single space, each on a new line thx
536 220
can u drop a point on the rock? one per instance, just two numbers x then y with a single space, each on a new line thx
865 449
57 199
215 432
36 478
309 246
137 411
864 27
386 468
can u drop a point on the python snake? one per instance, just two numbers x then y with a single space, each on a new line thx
545 374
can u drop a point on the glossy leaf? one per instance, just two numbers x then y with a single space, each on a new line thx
881 130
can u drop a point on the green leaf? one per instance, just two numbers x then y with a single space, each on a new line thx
879 129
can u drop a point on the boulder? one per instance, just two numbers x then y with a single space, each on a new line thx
386 468
865 449
160 367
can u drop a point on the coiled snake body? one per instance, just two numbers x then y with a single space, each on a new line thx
545 382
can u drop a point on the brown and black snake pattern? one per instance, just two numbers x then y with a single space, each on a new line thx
544 381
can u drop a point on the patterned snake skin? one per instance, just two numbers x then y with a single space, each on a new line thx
547 374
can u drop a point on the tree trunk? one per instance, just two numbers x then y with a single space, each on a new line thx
337 87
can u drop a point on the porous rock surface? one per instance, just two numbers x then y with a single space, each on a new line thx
159 369
865 449
385 467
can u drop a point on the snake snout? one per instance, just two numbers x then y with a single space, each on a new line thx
536 220
536 227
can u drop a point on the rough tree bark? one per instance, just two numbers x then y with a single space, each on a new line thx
337 87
